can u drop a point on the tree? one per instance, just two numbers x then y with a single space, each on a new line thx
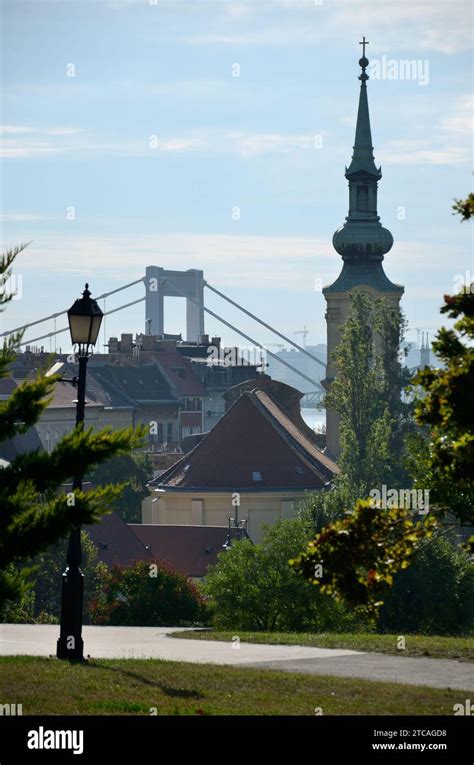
134 471
253 588
366 393
361 554
355 559
34 511
147 594
446 409
464 207
440 573
42 600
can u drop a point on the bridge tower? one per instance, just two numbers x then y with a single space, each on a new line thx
161 283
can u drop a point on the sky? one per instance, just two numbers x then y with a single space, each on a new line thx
213 134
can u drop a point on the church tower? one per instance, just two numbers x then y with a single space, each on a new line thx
362 243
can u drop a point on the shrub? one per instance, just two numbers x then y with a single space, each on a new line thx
435 595
147 594
252 587
41 603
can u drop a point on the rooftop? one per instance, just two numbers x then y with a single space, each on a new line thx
255 445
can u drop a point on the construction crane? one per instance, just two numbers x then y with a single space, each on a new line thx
303 332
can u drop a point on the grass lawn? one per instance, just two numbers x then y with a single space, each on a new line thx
415 645
133 686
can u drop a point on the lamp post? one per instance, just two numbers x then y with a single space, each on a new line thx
85 318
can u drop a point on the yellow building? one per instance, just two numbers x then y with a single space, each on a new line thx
256 465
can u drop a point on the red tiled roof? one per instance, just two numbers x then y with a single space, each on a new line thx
116 541
255 445
289 427
188 549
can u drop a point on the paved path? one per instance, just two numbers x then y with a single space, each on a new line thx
154 642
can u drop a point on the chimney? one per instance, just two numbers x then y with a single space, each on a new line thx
126 343
113 345
148 342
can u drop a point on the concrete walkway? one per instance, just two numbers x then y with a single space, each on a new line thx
154 642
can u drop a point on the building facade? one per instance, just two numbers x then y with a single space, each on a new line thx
257 464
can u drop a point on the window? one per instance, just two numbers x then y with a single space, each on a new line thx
193 404
256 475
169 431
362 199
156 438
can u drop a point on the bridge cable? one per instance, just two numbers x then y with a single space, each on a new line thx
65 329
60 313
275 331
251 339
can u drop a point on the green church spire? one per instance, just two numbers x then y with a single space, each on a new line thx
363 156
362 241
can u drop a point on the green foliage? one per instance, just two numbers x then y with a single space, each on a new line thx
34 513
464 207
435 595
252 587
355 559
446 409
147 594
133 471
323 507
366 393
21 610
50 563
361 554
41 601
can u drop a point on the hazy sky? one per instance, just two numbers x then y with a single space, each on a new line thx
128 140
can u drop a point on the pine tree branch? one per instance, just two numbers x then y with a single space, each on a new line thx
24 406
36 525
75 454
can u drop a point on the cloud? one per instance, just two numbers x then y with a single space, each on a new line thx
25 141
28 143
446 142
405 25
22 218
15 129
275 262
460 121
14 150
416 152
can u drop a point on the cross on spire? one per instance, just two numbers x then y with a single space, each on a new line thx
363 43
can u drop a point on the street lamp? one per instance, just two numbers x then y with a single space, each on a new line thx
85 318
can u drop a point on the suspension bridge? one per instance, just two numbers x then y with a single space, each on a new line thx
191 285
